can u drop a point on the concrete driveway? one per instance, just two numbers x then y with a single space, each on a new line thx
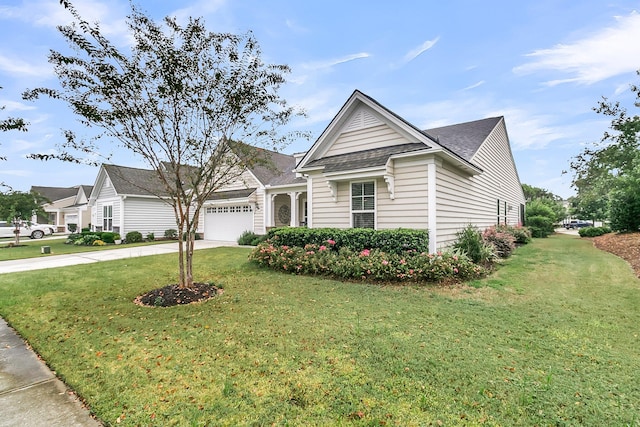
53 261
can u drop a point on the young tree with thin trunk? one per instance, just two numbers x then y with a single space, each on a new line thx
179 99
17 208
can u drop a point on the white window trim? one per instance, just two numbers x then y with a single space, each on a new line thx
375 202
105 217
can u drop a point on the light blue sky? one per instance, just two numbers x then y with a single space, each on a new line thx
542 64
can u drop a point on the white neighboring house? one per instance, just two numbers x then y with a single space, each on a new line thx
369 168
67 205
121 201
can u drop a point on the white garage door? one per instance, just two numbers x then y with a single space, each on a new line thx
227 223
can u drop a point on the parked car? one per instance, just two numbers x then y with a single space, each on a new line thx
576 223
34 231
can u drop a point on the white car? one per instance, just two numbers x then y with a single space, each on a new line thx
34 231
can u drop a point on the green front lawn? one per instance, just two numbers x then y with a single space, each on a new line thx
31 248
549 339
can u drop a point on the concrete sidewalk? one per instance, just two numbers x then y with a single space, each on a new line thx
52 261
30 394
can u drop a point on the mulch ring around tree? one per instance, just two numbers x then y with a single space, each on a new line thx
172 295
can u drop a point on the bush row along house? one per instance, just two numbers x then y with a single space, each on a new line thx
369 168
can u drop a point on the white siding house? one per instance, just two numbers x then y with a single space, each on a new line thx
65 206
372 168
369 168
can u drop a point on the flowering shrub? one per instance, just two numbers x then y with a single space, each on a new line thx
98 243
469 241
366 264
521 234
503 243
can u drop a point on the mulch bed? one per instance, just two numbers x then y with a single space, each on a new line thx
624 245
173 295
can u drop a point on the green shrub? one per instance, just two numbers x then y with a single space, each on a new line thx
249 238
540 226
593 231
503 243
151 237
108 236
258 239
87 230
72 238
82 239
357 239
624 209
469 241
196 236
72 227
171 233
133 237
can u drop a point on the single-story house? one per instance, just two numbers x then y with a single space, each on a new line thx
66 205
369 168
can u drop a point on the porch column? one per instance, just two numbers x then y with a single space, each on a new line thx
269 210
293 221
309 201
431 201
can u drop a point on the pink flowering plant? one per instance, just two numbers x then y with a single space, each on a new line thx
503 242
372 265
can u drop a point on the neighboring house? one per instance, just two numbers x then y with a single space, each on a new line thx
369 168
128 199
67 205
372 168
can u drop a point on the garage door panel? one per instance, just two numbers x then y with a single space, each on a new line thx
227 223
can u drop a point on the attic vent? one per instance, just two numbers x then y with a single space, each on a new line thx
360 120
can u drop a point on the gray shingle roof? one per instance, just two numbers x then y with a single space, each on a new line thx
134 181
232 194
464 139
55 193
270 167
364 159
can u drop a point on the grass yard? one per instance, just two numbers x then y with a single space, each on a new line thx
549 339
31 248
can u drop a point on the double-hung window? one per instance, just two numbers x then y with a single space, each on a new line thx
107 218
363 204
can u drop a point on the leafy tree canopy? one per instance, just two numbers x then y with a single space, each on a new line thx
178 100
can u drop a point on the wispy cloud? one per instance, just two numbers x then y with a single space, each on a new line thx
198 8
308 69
606 53
414 53
50 14
528 131
473 86
18 67
295 27
10 106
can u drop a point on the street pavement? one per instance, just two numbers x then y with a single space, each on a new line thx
30 393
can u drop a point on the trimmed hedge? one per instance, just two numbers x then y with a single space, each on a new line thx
395 241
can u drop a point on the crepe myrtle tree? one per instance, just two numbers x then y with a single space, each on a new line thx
18 208
178 97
